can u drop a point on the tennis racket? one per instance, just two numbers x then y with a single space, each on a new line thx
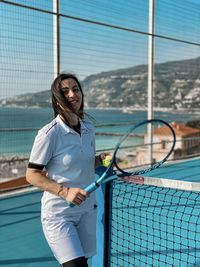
145 147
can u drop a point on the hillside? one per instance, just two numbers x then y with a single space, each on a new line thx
177 85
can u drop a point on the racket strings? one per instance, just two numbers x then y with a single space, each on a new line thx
152 144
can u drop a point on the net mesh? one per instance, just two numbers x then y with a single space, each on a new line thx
153 225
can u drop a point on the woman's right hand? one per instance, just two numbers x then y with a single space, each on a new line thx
74 195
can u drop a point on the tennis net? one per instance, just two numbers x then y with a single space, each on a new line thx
152 222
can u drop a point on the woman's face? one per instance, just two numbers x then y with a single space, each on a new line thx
72 93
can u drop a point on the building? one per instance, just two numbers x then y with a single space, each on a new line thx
187 143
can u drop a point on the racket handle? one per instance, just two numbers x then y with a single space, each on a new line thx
92 187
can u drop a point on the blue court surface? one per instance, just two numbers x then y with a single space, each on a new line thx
22 241
186 170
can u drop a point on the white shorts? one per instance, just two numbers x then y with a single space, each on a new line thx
73 236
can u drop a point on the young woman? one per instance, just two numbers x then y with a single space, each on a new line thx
62 163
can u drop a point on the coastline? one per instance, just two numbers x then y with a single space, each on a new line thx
12 173
133 108
127 110
12 167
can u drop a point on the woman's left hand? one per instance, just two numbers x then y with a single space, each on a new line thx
103 159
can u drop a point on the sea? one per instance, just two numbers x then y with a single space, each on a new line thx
19 126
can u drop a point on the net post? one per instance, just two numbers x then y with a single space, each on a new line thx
107 208
150 75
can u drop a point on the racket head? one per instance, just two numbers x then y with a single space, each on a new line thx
145 147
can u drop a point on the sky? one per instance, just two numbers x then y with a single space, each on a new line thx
27 39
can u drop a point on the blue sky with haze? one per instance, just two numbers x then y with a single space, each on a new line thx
27 39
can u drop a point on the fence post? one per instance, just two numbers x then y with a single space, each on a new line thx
56 37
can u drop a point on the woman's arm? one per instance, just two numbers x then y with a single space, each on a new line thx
40 180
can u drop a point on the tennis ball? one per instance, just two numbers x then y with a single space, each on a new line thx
107 160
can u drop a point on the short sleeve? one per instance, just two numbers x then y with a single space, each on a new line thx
42 149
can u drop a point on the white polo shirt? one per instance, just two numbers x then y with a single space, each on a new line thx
69 158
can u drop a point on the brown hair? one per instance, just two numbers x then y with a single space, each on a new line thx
59 102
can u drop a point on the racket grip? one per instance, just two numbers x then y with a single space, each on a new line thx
92 187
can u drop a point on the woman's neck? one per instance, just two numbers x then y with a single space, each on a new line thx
73 119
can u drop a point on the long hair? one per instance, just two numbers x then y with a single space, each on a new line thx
59 103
